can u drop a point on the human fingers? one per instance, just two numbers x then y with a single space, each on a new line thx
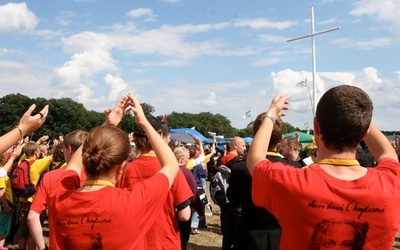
43 113
29 123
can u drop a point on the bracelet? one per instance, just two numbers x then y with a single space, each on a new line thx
269 116
20 131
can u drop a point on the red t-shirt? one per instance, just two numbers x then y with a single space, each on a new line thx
316 209
109 218
46 185
164 233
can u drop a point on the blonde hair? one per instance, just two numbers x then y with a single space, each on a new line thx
180 152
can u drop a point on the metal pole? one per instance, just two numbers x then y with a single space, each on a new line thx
312 35
313 62
309 94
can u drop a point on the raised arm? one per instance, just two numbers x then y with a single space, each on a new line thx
27 124
379 145
14 155
163 151
112 118
260 143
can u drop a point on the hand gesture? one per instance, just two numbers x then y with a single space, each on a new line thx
17 149
279 103
29 123
137 109
115 115
196 140
42 139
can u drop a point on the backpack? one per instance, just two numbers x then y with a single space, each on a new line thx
21 182
219 185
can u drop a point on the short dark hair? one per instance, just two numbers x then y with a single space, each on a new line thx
277 131
142 143
344 115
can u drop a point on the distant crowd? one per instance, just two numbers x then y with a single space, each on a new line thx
105 189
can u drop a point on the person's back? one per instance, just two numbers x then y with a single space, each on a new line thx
164 233
334 202
258 228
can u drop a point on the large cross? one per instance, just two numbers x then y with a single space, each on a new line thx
312 35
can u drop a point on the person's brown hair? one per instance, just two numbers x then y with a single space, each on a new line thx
58 155
75 139
104 148
277 131
344 115
30 148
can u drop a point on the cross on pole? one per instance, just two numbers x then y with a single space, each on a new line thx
312 35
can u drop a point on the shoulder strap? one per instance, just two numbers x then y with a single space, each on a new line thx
28 163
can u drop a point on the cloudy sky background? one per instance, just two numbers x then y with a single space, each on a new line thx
223 57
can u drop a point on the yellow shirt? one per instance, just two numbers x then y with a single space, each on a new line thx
6 185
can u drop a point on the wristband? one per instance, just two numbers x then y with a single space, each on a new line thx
20 131
269 116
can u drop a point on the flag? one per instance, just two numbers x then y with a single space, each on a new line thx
213 134
247 114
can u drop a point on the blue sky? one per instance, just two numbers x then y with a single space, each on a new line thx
223 57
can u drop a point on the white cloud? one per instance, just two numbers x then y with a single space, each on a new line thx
362 44
16 17
86 41
266 62
65 17
385 10
83 67
329 21
117 85
209 101
263 23
3 51
272 38
148 13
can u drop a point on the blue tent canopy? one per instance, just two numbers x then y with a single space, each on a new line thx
186 135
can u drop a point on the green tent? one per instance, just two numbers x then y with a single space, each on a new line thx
303 137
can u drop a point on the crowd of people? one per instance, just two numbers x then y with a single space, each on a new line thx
106 189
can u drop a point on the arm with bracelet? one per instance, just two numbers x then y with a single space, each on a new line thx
260 143
27 124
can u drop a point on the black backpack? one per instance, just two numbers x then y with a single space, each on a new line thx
219 185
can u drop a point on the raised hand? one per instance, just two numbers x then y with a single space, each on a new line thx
279 103
115 115
29 123
137 109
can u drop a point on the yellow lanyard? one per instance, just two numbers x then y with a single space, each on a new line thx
148 155
339 162
98 183
272 154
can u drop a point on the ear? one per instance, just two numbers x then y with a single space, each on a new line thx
366 134
120 171
317 130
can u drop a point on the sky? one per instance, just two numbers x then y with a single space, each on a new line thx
223 57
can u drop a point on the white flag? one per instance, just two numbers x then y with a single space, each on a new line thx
247 114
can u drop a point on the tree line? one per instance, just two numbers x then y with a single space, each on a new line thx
66 115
